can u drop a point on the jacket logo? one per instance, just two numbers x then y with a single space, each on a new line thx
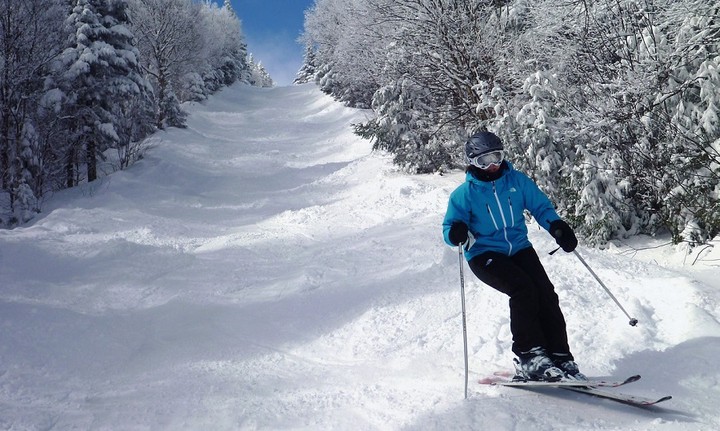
513 189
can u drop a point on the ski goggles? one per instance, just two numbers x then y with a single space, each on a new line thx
485 160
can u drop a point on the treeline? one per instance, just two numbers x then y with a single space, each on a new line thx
611 105
84 79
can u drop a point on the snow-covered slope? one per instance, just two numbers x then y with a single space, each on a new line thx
263 269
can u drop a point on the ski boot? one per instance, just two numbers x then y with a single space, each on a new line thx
536 365
566 363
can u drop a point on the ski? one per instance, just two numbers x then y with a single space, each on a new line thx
593 387
634 400
501 381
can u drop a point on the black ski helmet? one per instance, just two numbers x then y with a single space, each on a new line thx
481 143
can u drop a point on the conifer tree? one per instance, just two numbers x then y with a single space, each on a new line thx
307 71
102 74
259 77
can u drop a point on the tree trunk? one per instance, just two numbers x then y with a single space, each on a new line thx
91 161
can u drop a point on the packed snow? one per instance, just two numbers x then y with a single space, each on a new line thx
265 269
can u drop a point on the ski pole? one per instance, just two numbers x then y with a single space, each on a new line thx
633 321
464 324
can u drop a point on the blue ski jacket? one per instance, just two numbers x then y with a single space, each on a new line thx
494 212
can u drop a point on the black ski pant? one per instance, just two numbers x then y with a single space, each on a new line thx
535 316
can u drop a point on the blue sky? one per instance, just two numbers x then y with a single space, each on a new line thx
271 29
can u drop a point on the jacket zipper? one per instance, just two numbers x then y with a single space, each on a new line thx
492 217
502 215
512 213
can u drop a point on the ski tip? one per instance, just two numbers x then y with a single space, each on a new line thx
653 402
665 398
634 378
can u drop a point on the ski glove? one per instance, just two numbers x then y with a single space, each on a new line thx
564 235
458 233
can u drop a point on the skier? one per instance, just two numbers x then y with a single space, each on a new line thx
489 206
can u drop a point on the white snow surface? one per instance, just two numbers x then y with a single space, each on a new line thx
265 269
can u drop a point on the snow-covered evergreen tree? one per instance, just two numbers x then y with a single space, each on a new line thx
31 175
307 71
259 77
401 124
689 109
102 75
641 96
539 134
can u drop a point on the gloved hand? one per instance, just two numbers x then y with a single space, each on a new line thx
458 233
564 235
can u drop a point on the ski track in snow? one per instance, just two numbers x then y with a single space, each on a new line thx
263 269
